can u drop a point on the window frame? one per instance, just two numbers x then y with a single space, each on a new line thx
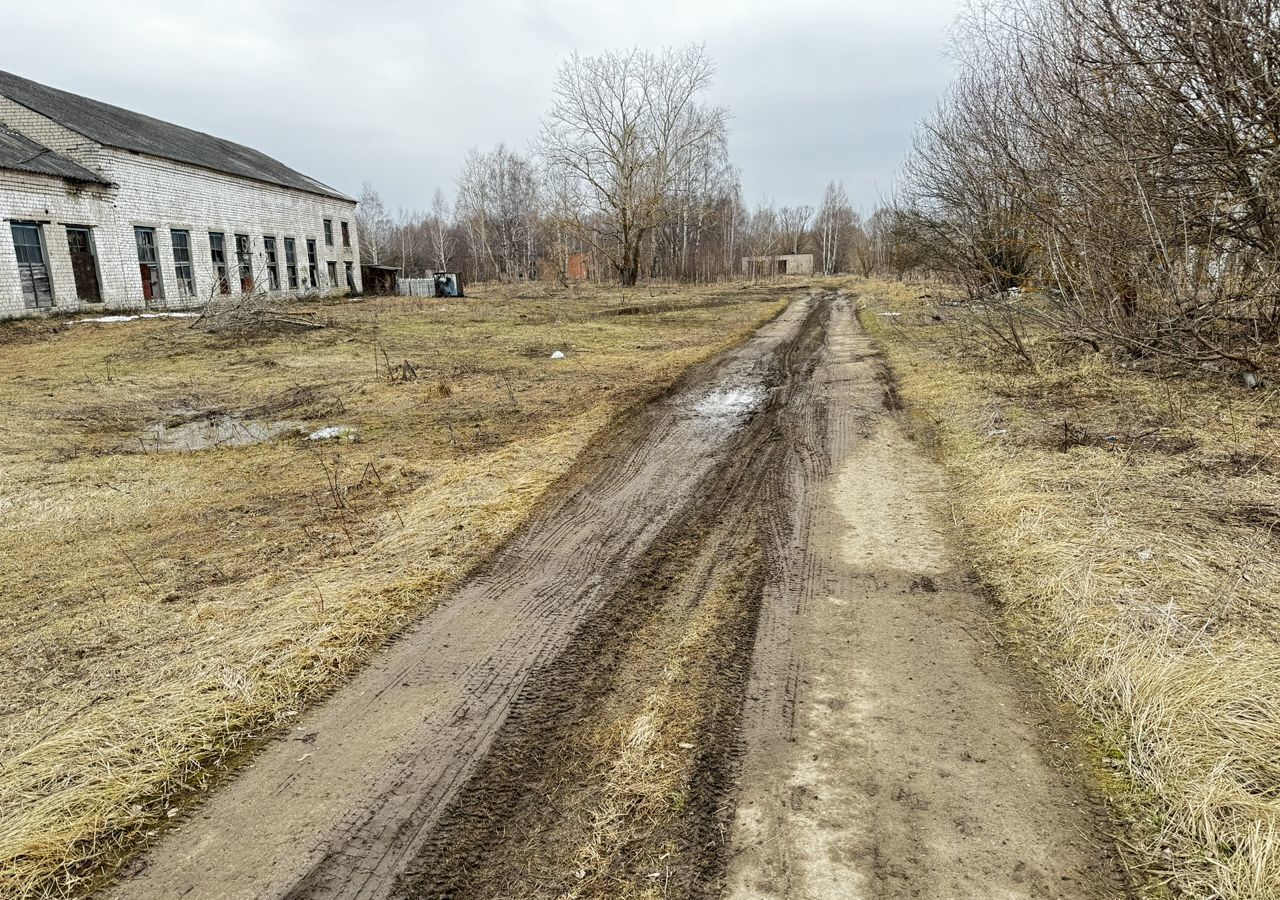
220 270
34 301
331 269
157 282
244 263
186 283
273 261
328 232
313 264
346 234
291 262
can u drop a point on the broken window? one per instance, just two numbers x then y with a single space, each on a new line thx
273 265
33 264
313 265
328 232
291 262
84 263
333 274
182 267
218 253
149 264
244 259
351 277
346 235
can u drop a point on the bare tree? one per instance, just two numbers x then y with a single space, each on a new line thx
373 226
626 131
794 222
834 229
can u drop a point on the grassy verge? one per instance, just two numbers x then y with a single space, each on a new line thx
1127 520
162 607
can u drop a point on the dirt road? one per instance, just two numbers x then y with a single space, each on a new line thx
734 656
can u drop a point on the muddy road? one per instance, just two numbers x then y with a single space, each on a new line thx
733 657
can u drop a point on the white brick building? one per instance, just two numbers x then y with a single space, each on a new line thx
104 208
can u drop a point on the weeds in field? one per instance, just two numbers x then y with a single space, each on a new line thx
164 609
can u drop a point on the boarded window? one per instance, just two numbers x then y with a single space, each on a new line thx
218 253
182 265
149 264
328 232
84 263
346 235
244 259
33 264
333 274
273 264
313 265
291 262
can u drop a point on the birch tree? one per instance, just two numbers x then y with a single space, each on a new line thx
627 129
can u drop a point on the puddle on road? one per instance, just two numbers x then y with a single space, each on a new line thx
220 431
727 405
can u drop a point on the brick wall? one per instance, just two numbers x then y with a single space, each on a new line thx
163 195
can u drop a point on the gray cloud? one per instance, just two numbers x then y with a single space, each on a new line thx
395 92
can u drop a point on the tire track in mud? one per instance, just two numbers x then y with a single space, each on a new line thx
358 801
613 776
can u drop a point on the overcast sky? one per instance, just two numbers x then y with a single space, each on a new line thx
395 92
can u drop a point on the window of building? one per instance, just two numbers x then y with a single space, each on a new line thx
218 253
333 274
346 235
84 263
33 264
351 277
182 267
291 262
149 264
328 232
313 265
273 264
244 259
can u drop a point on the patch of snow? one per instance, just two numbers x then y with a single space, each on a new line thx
131 318
333 433
557 355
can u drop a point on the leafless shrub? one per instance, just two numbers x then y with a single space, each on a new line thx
254 311
1120 155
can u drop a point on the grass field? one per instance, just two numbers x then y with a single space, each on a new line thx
1128 519
163 606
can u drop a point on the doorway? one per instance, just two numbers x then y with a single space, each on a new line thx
84 263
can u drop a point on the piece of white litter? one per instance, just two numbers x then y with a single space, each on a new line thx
996 432
683 746
1145 554
557 355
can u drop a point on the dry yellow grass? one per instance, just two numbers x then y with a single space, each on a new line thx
1136 549
161 609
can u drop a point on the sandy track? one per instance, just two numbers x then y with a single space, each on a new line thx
892 750
736 657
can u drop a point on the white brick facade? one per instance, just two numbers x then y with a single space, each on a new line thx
157 193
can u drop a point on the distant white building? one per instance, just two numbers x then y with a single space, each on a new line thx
105 208
781 264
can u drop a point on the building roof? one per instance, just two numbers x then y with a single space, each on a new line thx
21 154
126 130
